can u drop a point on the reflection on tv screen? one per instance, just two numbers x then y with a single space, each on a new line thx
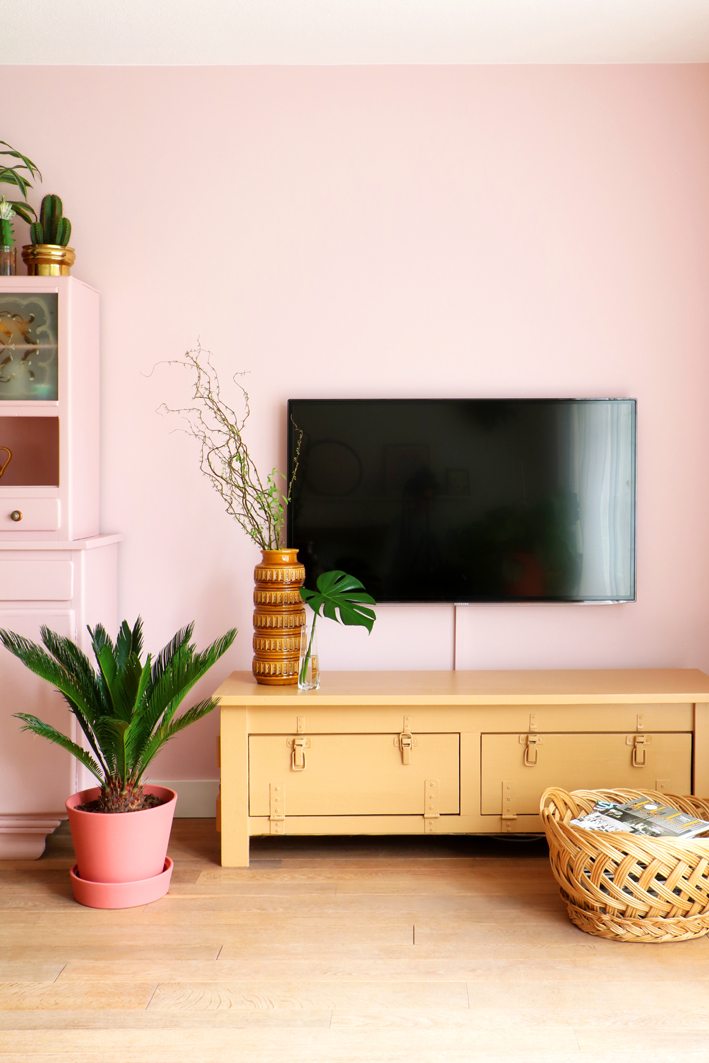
470 500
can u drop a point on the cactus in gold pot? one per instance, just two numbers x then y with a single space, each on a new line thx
52 227
49 254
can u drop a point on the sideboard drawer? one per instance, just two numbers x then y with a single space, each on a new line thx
36 580
29 514
524 765
353 774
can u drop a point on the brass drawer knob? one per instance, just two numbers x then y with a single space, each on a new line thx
16 515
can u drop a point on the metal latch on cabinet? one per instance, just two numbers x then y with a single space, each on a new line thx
298 747
638 757
406 742
531 743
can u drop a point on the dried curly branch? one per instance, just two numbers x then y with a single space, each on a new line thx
257 505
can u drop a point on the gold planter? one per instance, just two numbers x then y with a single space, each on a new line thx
279 616
48 260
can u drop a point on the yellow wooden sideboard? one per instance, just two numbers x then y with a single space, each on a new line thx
463 752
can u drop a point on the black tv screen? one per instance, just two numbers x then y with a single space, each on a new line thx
468 500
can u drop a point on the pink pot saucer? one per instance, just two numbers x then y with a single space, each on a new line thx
121 894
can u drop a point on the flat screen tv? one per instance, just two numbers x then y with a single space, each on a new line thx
468 500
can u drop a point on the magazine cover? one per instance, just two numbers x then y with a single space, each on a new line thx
642 816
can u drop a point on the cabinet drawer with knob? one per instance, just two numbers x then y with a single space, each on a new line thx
29 514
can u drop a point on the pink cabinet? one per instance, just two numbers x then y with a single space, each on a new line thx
49 408
55 566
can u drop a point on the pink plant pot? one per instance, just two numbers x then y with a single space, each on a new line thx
120 894
124 846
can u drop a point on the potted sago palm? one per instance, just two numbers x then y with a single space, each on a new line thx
127 709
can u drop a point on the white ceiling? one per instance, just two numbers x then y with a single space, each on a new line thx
333 32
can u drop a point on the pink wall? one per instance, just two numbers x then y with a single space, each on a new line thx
390 231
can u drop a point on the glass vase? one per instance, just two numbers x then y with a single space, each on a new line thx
8 261
309 662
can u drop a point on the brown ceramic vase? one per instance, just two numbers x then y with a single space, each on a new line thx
279 616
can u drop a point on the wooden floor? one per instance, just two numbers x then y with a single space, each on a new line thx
426 949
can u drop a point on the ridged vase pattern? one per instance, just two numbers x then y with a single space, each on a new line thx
279 617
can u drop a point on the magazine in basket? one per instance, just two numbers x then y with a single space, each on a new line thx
642 816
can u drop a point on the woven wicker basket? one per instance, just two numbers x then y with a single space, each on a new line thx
623 886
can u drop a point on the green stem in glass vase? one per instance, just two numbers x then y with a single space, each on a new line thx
308 653
337 596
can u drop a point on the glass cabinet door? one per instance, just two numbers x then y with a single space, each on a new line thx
28 347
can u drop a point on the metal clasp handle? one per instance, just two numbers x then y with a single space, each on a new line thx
406 744
297 756
531 750
638 758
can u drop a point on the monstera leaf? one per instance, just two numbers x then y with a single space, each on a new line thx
341 597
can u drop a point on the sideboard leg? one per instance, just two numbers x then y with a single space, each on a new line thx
701 750
234 788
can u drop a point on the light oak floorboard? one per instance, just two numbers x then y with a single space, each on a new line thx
278 994
29 972
58 995
429 950
301 1045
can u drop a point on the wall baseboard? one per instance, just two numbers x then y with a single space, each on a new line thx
23 834
196 798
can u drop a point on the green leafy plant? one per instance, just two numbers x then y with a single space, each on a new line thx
19 171
257 504
52 227
126 707
341 597
7 232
